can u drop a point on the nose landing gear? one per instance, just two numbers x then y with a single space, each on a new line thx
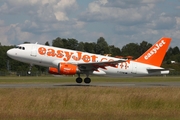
29 71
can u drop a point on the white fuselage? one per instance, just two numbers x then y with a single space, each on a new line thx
50 57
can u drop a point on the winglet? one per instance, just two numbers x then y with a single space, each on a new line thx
155 55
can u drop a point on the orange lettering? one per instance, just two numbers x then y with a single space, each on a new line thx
111 60
68 55
79 56
128 61
59 54
86 58
94 58
121 65
51 52
42 50
103 59
126 65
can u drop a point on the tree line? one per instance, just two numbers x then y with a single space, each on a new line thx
100 47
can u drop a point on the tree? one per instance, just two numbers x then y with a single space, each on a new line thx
168 55
65 42
57 42
115 51
80 46
47 43
89 47
3 57
72 44
173 54
143 47
102 47
175 51
26 42
131 49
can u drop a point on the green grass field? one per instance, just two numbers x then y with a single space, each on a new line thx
50 79
89 103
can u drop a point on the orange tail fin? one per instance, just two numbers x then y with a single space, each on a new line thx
155 55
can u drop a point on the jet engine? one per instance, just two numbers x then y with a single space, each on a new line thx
64 69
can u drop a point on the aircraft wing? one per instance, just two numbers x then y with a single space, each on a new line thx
95 65
91 66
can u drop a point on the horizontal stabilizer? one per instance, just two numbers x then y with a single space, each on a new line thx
162 71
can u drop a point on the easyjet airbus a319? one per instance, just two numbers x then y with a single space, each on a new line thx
70 62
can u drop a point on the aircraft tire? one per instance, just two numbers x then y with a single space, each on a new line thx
79 80
29 72
87 80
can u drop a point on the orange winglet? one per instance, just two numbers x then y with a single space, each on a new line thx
155 55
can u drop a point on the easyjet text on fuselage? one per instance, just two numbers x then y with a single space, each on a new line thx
67 55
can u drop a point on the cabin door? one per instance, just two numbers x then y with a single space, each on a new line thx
34 50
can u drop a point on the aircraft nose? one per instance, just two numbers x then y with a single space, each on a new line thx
10 53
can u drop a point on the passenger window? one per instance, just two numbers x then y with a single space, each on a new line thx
19 47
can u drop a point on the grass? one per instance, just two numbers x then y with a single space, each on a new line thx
79 103
51 79
90 103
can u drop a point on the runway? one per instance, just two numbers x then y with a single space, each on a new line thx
95 84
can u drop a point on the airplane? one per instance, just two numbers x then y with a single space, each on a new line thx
70 62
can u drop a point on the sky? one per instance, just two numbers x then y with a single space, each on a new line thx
119 21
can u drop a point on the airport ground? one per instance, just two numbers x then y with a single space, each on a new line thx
146 98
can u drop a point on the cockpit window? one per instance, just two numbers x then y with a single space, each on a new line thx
20 47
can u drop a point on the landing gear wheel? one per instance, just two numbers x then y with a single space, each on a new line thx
30 67
79 80
29 72
87 80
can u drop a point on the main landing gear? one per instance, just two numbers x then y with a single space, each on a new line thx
87 80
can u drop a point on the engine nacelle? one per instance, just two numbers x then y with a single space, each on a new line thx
64 69
53 70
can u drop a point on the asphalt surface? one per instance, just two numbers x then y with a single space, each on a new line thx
95 84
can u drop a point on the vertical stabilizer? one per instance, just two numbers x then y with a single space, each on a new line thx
155 54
